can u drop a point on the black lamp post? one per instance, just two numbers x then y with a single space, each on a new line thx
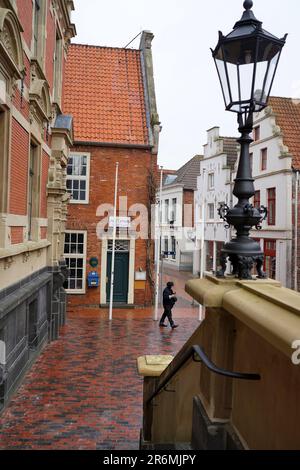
246 62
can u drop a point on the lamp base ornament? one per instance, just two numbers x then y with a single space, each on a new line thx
241 266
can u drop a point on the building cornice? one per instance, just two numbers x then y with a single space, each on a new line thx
112 145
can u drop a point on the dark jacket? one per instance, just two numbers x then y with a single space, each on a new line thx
167 302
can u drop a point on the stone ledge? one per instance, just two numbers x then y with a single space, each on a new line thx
15 250
153 366
266 307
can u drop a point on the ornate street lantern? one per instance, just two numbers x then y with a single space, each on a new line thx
246 61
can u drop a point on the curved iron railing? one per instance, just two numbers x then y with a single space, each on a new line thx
193 352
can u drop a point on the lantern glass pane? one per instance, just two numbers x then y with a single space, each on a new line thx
234 81
270 75
246 80
223 79
259 94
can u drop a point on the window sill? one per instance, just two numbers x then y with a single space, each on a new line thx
78 202
75 292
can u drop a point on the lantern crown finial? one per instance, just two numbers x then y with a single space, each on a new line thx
248 4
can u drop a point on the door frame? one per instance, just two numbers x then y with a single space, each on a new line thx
103 275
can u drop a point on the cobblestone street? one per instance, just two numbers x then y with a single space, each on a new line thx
84 391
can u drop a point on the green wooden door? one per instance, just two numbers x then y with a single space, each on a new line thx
120 278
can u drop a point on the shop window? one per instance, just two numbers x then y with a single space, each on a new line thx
270 258
209 255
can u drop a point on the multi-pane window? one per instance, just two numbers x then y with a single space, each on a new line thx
166 247
167 210
174 209
211 181
256 133
173 243
271 206
57 80
37 12
33 186
78 178
211 211
4 131
264 159
75 256
256 201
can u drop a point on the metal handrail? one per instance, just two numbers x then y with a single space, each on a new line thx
193 352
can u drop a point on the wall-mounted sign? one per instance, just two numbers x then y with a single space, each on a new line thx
140 276
121 222
94 262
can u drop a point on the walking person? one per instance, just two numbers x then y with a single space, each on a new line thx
169 300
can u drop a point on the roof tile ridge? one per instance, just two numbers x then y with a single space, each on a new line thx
95 46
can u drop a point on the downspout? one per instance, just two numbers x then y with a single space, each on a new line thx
296 232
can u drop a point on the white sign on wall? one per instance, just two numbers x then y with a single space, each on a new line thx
121 222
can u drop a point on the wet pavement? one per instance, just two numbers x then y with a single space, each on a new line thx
84 391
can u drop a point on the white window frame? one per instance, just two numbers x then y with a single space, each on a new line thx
208 211
211 176
77 256
82 178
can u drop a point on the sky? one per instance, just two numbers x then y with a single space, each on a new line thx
188 92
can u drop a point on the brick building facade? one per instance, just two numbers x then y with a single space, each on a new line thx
110 93
276 165
34 144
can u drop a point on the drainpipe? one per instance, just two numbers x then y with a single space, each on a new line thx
296 232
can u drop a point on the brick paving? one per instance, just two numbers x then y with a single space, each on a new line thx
84 391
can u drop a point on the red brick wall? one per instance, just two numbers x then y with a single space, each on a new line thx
188 198
16 234
133 180
18 169
44 233
25 11
27 66
21 105
44 180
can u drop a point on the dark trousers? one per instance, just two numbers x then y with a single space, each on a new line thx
167 314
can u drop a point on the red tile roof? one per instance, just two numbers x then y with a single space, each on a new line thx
287 111
105 94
